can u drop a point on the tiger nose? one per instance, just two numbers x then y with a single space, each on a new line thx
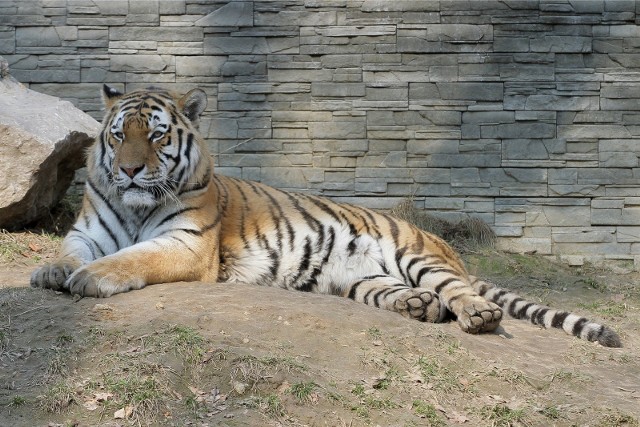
131 172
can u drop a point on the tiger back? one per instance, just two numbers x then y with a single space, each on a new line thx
154 212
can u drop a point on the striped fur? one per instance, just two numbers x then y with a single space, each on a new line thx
154 212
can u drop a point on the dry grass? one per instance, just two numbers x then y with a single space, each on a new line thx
467 234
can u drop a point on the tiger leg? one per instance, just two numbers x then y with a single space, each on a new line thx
76 251
473 312
143 264
389 293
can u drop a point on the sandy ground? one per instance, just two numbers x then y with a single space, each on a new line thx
238 355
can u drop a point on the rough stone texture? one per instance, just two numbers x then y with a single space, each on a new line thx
42 143
522 113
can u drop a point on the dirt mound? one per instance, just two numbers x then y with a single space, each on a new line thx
236 355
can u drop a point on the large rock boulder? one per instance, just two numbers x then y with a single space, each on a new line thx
42 142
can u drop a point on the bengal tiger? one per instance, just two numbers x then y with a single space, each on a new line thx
155 212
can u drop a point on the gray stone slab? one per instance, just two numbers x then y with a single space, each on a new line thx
339 90
232 14
519 130
158 34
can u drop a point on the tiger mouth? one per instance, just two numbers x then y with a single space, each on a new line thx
151 190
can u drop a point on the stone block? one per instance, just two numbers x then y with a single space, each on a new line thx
398 6
576 190
520 175
283 177
426 39
301 18
364 186
298 75
593 132
138 63
561 44
337 130
223 128
158 34
628 234
232 14
507 231
471 91
183 48
218 45
173 7
464 160
132 46
355 31
560 216
440 190
527 72
488 117
531 148
511 44
204 66
613 159
518 130
583 234
510 218
340 90
562 103
37 37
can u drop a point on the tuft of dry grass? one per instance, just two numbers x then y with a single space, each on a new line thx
467 234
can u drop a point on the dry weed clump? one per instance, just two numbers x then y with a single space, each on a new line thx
464 235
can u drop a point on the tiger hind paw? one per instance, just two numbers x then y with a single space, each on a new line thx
420 304
480 316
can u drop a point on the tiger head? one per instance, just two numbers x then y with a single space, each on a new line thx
149 146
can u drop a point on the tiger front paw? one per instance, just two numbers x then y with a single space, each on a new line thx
479 315
420 304
53 276
98 282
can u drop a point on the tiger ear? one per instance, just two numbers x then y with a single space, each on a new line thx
193 104
110 96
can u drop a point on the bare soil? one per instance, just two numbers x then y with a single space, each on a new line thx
204 354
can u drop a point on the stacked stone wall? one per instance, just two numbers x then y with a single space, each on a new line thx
523 113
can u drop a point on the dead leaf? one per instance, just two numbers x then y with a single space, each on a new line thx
207 356
91 405
119 414
314 397
123 413
102 396
196 391
102 307
131 350
35 247
282 388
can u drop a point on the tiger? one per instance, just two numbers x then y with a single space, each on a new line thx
154 211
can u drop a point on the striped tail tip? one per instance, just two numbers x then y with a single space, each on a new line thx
572 324
608 338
